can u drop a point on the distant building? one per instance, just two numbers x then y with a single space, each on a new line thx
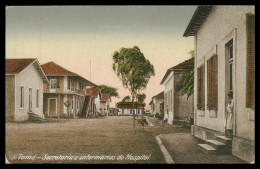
95 92
175 105
158 104
225 61
105 103
64 85
127 109
24 81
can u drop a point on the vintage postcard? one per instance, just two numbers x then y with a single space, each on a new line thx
130 84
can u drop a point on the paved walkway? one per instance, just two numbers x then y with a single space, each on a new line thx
184 149
156 122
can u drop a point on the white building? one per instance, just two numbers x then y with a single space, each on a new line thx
24 80
104 103
224 39
176 106
158 103
125 108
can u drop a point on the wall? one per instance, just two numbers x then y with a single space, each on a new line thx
168 98
29 78
183 107
227 22
9 97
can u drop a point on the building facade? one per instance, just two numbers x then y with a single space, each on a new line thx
224 39
127 109
176 106
64 86
158 104
24 80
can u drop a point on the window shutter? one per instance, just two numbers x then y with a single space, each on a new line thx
202 88
214 82
208 89
198 88
250 69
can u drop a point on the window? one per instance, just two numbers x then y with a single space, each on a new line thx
68 83
21 96
122 111
37 97
250 61
200 88
53 83
72 84
212 82
81 86
131 111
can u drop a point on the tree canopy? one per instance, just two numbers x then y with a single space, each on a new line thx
186 82
126 98
108 89
141 97
133 69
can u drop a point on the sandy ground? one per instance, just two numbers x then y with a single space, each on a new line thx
107 136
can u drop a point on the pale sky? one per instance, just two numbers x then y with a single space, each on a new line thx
71 36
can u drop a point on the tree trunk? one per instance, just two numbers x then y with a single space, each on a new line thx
133 111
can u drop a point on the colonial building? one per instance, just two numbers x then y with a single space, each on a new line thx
224 39
104 103
24 79
176 106
64 85
158 103
95 103
127 109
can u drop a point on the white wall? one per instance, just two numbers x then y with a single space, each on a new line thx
168 85
127 112
29 78
97 102
224 23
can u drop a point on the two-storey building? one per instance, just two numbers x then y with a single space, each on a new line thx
64 85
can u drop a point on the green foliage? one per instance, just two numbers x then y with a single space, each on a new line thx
142 121
67 103
141 97
126 98
151 102
133 69
108 89
186 82
156 115
160 117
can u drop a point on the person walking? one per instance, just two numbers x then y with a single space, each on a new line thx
229 114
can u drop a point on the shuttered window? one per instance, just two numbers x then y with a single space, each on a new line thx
212 83
200 88
250 69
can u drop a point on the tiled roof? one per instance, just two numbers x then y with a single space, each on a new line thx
182 65
130 104
52 68
159 95
17 65
105 96
93 91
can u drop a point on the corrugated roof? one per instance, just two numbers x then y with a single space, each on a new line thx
17 65
197 19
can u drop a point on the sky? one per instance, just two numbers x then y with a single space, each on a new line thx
82 39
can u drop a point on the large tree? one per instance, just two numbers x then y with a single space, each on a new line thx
108 89
186 82
133 69
141 97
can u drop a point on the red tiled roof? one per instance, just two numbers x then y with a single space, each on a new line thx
160 94
129 105
52 68
105 96
93 91
17 65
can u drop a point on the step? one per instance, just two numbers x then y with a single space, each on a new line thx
208 148
216 144
225 140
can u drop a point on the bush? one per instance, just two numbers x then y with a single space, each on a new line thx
157 115
161 116
143 121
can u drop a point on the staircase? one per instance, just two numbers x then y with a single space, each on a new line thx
35 117
221 145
